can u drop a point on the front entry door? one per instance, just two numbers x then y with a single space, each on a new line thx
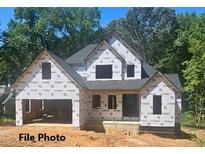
130 107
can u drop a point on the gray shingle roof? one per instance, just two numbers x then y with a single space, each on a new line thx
109 85
109 46
174 79
79 56
114 84
148 69
74 75
124 84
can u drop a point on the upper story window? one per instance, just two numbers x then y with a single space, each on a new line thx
103 71
96 101
130 71
46 70
112 102
157 104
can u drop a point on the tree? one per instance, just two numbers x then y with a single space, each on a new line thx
61 30
151 32
119 25
194 73
179 51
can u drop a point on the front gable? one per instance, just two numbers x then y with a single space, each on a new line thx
104 55
129 54
31 85
158 85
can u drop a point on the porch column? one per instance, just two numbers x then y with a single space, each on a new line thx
19 112
76 114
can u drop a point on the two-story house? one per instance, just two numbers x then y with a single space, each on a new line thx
105 83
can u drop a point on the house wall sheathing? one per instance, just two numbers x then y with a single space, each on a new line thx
60 86
158 86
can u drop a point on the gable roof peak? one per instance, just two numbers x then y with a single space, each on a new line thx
63 65
109 46
119 37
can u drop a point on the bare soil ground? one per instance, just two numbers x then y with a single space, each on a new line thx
9 136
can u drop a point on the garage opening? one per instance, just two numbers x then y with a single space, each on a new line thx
47 111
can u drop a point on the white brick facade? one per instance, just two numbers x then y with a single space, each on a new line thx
158 86
62 86
31 86
104 56
128 56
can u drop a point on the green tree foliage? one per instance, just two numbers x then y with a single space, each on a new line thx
181 44
60 30
151 32
195 68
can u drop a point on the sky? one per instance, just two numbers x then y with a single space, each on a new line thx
107 14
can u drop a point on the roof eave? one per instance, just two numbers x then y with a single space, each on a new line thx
158 72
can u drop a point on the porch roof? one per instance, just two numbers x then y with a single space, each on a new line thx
116 84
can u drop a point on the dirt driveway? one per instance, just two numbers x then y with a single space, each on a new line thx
9 136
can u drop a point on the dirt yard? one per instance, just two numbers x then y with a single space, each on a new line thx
9 136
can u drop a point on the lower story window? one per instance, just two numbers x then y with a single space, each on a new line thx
112 102
27 105
96 101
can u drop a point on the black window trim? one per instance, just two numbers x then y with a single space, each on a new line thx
113 104
133 71
93 106
46 76
98 73
158 111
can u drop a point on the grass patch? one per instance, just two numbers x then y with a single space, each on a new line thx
188 120
200 141
7 119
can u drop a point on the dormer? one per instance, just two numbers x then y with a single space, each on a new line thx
111 59
104 63
133 62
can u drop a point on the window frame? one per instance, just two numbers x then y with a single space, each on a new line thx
47 75
157 110
99 73
42 106
29 105
130 71
113 103
94 106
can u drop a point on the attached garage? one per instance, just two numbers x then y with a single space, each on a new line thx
47 111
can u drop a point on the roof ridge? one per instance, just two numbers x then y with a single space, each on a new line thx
107 43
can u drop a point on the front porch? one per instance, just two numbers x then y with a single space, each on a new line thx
107 126
114 106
